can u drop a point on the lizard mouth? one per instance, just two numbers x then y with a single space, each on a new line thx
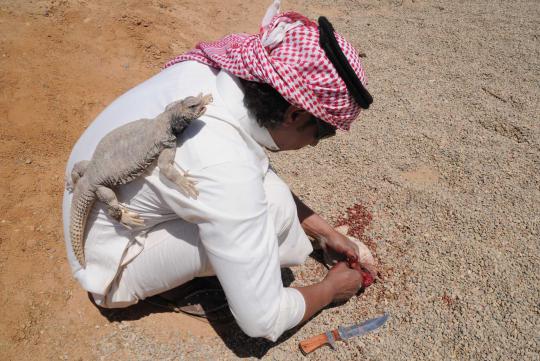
201 112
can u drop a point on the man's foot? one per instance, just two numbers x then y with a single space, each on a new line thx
202 297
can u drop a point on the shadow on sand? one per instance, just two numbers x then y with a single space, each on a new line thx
204 297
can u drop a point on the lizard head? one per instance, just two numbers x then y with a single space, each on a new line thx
187 109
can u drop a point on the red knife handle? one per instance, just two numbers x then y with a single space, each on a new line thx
313 343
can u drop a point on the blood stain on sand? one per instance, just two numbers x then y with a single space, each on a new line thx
358 220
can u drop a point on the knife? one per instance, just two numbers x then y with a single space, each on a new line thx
342 333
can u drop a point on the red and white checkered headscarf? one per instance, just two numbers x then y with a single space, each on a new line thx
286 54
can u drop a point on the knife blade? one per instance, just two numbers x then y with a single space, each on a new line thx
342 333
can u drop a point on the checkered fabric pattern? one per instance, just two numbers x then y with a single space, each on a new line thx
297 67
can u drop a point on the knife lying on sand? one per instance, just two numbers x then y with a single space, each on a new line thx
341 334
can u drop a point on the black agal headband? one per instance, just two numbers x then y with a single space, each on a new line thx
329 43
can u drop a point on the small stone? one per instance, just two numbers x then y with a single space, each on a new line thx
28 161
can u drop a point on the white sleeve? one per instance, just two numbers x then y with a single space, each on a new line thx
239 237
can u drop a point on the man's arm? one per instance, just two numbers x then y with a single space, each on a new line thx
316 227
231 213
240 241
341 282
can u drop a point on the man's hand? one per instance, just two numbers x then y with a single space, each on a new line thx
339 244
340 284
344 281
356 254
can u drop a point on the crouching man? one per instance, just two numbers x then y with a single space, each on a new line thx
292 85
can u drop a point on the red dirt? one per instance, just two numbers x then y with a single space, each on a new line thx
358 219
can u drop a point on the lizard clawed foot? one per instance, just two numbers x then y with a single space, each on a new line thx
68 183
130 219
206 99
187 185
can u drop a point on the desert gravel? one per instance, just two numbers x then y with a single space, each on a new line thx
446 163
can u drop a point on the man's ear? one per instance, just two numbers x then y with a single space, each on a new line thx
292 116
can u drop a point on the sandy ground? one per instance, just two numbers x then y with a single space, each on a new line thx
445 169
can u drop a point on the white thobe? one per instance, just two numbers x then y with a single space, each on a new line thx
242 227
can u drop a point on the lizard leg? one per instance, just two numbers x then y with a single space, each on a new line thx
116 210
76 173
168 169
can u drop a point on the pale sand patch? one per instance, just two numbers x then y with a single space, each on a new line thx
421 176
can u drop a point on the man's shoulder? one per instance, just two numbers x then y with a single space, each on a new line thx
209 141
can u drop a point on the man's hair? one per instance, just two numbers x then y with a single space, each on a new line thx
264 103
268 106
